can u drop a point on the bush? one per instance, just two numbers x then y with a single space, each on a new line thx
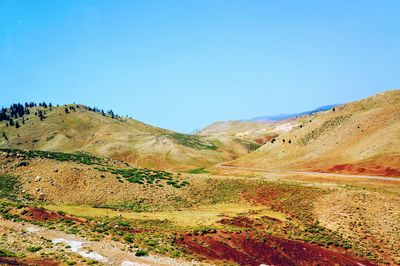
128 238
141 253
6 253
33 249
9 187
23 164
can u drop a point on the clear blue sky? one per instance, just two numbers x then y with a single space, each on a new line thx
184 64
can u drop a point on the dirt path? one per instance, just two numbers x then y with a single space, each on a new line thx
106 252
221 165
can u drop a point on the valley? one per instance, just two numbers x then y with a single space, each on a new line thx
83 187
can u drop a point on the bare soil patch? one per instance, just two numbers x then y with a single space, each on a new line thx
248 249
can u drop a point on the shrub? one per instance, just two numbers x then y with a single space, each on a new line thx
128 239
9 187
33 248
141 253
23 164
6 253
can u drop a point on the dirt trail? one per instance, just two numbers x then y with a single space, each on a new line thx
103 251
221 165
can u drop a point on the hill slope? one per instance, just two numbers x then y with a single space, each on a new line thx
358 137
119 138
288 116
258 130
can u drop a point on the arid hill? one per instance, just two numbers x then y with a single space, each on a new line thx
360 137
72 128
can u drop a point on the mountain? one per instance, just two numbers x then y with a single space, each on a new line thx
280 117
360 137
74 127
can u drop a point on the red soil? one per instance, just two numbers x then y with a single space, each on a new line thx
243 222
28 262
265 139
246 249
38 214
371 169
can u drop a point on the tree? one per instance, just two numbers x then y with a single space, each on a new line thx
50 106
5 136
16 124
111 113
41 115
11 122
66 110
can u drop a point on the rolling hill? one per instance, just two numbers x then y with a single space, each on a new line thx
258 130
360 137
72 128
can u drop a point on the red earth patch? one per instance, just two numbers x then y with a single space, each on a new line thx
28 262
241 221
39 214
372 169
246 249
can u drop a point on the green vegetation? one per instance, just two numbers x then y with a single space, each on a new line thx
198 171
59 156
145 176
9 187
128 238
33 249
250 146
6 253
141 253
192 141
21 164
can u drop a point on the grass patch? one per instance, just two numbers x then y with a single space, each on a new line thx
6 253
198 171
58 156
127 206
192 141
248 145
203 215
33 249
144 176
9 187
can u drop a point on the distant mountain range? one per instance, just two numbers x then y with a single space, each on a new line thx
280 117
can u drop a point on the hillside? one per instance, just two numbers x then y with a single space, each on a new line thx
258 130
361 137
281 117
129 140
